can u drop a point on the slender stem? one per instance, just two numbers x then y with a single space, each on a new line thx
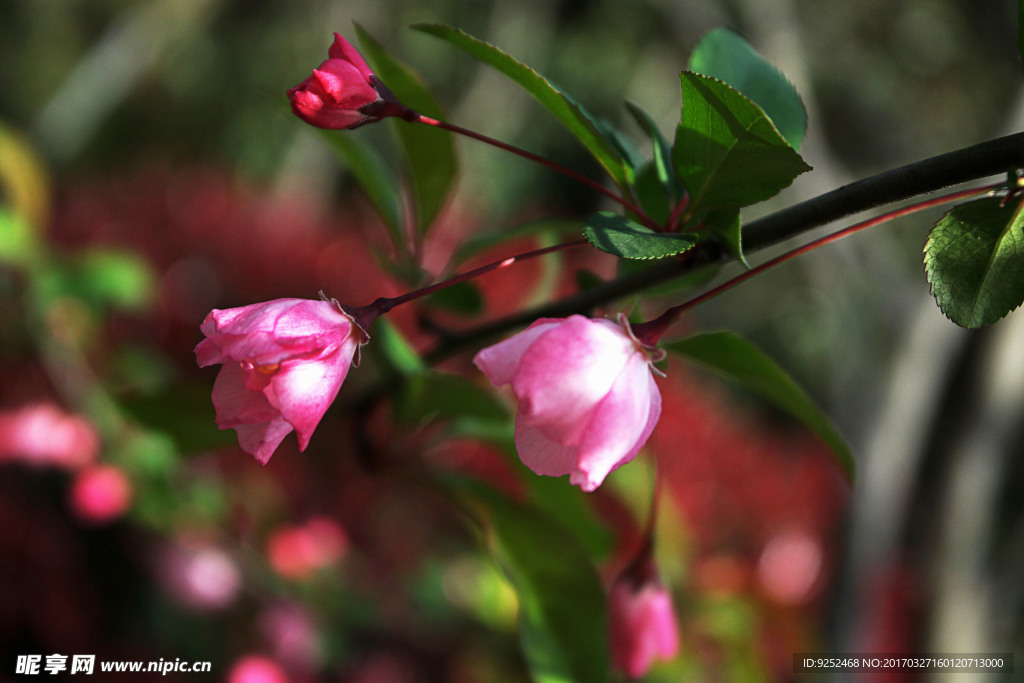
365 315
651 331
546 162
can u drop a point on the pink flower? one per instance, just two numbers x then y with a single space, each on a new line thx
100 494
256 669
43 434
587 398
297 552
284 362
343 92
642 622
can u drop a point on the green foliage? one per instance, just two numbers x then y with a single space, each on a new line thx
562 614
726 56
430 152
625 238
727 152
974 260
394 350
439 395
726 226
732 356
18 239
462 297
374 176
564 108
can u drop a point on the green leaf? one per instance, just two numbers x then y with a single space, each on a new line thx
115 277
736 358
397 352
662 161
565 110
19 242
726 226
974 260
562 613
429 151
727 152
374 176
462 297
625 238
724 55
433 394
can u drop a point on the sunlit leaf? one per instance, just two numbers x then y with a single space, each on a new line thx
578 123
727 152
625 238
430 152
735 358
397 352
726 56
974 260
562 614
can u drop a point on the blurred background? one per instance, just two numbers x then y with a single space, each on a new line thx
150 170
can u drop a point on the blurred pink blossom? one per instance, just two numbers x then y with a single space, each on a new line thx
256 669
284 362
342 93
292 635
199 576
297 552
642 622
587 398
100 494
43 434
790 566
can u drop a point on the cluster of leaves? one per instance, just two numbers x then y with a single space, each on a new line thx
736 144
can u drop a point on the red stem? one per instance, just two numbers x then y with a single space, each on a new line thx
365 315
650 332
546 162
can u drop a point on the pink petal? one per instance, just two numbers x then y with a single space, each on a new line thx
342 49
499 362
261 440
566 372
345 85
303 391
542 455
237 405
620 424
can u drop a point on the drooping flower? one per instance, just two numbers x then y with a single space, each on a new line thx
343 92
642 622
587 398
284 362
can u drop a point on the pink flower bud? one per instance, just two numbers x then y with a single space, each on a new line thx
100 494
284 362
642 622
343 92
587 398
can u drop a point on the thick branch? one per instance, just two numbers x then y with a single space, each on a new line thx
995 157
